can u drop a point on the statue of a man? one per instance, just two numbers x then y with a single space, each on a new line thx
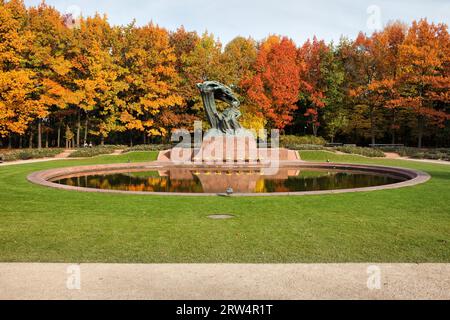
227 121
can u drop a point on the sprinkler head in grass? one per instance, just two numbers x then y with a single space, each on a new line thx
220 216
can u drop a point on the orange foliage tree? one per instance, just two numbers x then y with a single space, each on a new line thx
424 79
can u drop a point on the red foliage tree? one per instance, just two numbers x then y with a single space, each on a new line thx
274 87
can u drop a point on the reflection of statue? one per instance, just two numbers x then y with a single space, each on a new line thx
226 122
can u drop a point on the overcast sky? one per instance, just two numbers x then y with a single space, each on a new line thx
297 19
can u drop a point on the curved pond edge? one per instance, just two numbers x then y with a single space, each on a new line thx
43 178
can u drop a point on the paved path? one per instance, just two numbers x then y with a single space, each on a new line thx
392 155
224 281
64 154
427 161
117 152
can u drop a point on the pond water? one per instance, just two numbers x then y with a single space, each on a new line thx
217 181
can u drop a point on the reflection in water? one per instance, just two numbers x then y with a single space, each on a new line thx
217 181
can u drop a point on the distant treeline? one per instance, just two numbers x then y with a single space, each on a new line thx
65 81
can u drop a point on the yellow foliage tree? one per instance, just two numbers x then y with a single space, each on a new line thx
17 106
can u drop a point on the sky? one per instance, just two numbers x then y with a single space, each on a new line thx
297 19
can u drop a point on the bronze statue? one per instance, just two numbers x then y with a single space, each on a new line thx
225 123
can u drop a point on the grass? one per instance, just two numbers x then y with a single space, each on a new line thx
42 224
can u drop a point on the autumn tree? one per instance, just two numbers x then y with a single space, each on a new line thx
87 80
99 79
183 43
320 80
335 115
153 105
238 58
200 64
364 67
274 87
424 74
386 45
51 62
18 107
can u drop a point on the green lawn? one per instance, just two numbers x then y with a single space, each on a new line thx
411 224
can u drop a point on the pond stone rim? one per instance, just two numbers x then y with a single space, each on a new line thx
43 178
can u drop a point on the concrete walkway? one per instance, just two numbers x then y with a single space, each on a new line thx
224 281
392 155
427 161
117 152
65 154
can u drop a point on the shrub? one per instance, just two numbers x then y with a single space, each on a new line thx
26 154
432 154
367 152
305 147
148 147
287 140
302 142
95 151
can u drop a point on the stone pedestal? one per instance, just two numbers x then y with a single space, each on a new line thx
227 149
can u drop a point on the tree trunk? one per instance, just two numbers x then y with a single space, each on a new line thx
46 139
20 142
86 124
372 127
9 141
78 128
102 141
145 137
420 133
39 134
58 143
30 144
314 127
393 126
